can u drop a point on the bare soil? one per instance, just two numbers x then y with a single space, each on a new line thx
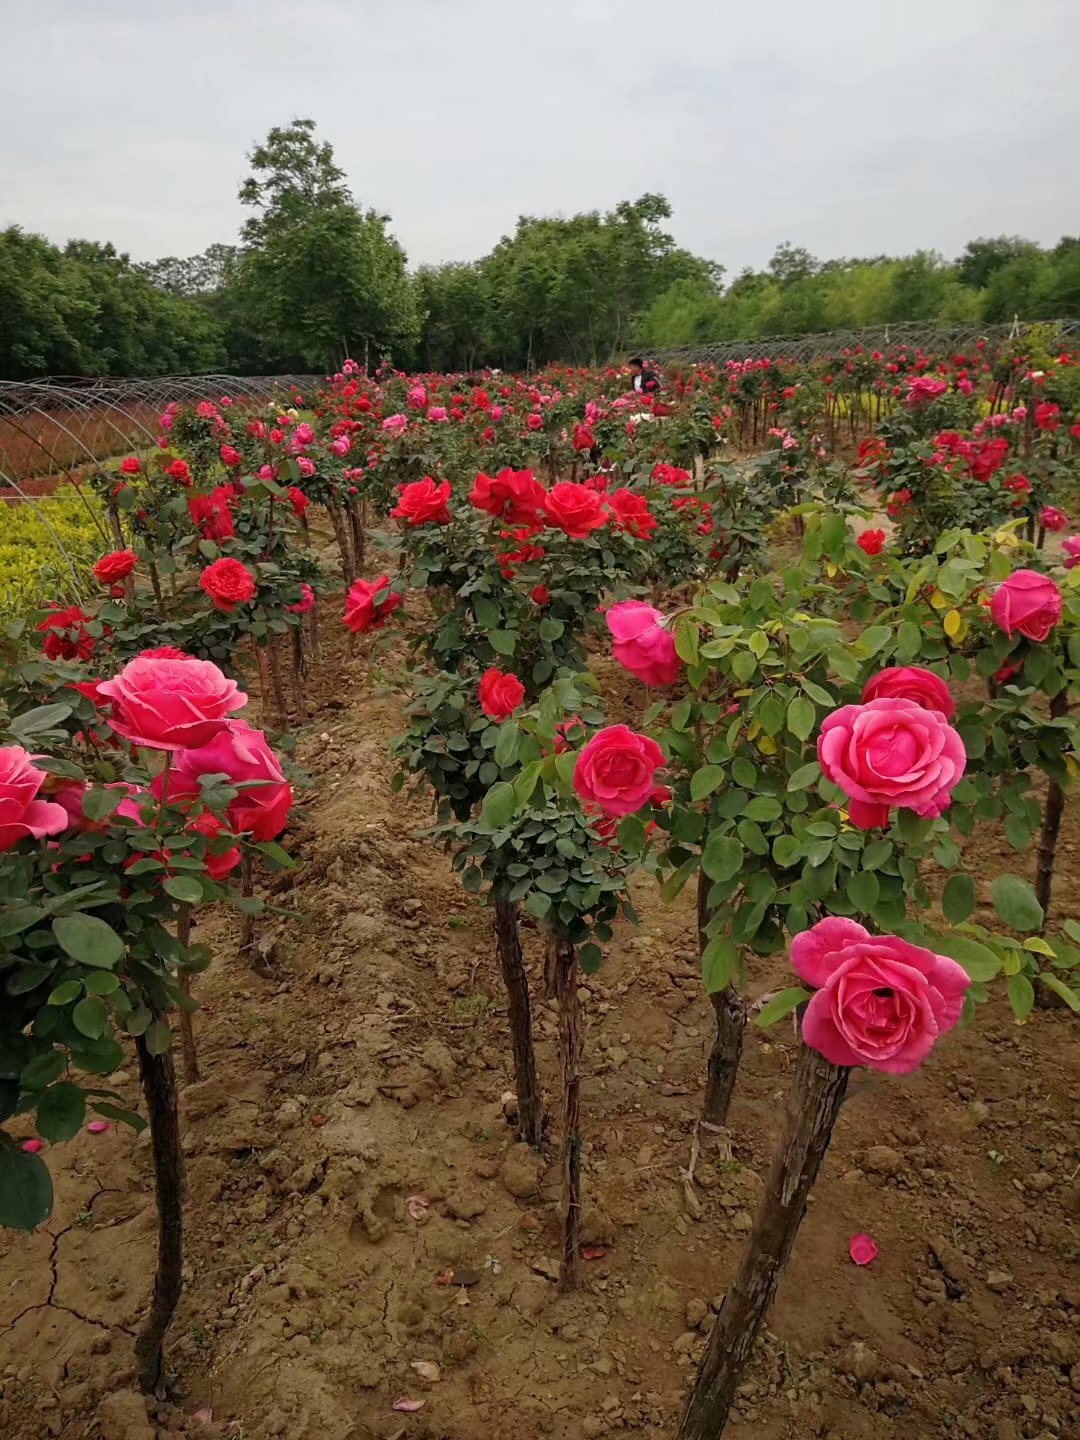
361 1226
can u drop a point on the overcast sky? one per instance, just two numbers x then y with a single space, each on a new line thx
852 127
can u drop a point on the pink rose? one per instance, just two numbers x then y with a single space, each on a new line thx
911 682
891 754
642 643
1051 518
171 703
262 806
615 772
306 467
1071 547
1028 603
436 412
879 1000
340 446
22 815
306 601
395 424
304 434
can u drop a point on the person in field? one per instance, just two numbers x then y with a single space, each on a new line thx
644 378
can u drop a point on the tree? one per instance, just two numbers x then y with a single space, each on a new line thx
324 278
982 258
792 262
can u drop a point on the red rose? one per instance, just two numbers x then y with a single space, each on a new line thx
228 583
277 436
500 694
631 513
212 514
364 610
616 770
230 457
115 566
669 474
574 509
66 637
130 465
871 541
534 421
1047 415
1026 603
179 471
583 438
299 501
513 495
423 500
1051 518
540 595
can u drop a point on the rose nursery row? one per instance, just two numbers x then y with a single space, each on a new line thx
828 713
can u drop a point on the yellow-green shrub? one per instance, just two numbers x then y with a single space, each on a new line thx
41 541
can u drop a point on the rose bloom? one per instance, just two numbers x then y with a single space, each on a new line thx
262 806
179 471
361 610
669 474
169 702
212 514
117 565
1047 415
230 456
228 583
871 542
540 595
1026 603
304 434
583 438
222 862
65 635
306 467
22 815
642 643
616 770
574 509
513 495
395 424
533 421
911 682
423 500
130 465
1071 547
1051 518
437 413
878 1001
341 446
891 754
631 513
500 693
306 601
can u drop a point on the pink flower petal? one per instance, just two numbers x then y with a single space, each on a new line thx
404 1403
862 1249
98 1127
31 1146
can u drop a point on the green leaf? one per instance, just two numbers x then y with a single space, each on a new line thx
486 611
64 993
770 714
61 1112
763 807
1021 996
801 717
158 1037
805 776
958 898
1014 900
26 1193
98 805
101 982
590 957
1059 988
90 1017
863 890
722 858
184 888
743 665
43 1070
786 850
780 1005
908 640
503 642
499 805
744 772
872 639
34 722
15 919
123 1117
704 781
538 904
979 961
506 746
719 964
89 940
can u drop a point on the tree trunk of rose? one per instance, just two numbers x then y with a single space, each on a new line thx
159 1090
1051 826
519 1014
188 1052
247 921
729 1009
814 1100
570 1050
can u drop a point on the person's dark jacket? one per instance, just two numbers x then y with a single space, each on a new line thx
650 382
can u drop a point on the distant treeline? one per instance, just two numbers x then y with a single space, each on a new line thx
316 277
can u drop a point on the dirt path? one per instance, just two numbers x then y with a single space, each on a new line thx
349 1159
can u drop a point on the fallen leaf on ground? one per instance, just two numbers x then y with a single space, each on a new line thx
594 1252
462 1298
427 1370
418 1206
403 1402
